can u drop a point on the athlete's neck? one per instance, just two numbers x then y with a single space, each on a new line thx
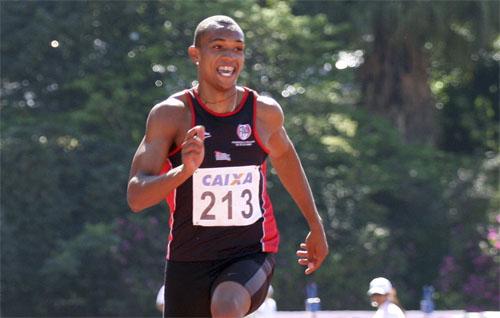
219 101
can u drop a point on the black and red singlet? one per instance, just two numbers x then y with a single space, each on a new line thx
223 210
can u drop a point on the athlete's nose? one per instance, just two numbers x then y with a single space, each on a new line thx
230 54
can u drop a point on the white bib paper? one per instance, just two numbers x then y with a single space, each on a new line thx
226 196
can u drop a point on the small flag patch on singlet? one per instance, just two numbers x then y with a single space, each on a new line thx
222 156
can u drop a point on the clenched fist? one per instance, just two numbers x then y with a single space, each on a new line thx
193 149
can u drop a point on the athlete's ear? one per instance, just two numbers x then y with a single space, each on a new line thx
194 54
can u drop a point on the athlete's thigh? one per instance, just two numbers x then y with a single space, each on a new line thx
253 272
187 289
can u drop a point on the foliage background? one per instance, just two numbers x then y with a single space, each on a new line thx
393 108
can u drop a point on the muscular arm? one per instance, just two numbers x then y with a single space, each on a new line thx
287 164
146 186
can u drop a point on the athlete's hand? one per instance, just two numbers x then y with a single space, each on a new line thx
313 251
193 149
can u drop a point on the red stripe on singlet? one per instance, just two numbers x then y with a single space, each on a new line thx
193 121
255 132
270 238
171 204
167 166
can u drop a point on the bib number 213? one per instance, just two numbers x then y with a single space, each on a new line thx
226 196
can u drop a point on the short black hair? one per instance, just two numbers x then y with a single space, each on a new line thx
214 21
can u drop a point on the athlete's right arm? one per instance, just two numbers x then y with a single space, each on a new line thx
146 186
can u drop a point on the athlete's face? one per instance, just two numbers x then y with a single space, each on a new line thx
220 56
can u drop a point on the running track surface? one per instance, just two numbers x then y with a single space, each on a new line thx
369 314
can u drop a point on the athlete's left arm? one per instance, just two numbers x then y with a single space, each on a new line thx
286 162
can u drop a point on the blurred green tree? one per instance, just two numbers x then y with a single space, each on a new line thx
411 51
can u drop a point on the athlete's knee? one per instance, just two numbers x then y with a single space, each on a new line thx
227 307
230 299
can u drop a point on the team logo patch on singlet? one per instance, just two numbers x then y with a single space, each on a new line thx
227 196
244 131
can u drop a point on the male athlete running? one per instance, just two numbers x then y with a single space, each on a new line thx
205 151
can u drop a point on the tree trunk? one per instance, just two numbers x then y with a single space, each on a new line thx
395 85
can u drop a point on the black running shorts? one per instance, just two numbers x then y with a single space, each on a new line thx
189 285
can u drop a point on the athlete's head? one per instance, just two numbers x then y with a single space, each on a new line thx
213 23
218 52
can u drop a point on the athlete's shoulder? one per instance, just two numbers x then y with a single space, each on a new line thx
174 103
170 109
264 99
268 108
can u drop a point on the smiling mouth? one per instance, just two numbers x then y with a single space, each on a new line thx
226 71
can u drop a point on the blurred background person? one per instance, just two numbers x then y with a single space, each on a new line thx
268 307
160 299
393 298
384 296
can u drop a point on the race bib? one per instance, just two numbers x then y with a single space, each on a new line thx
226 196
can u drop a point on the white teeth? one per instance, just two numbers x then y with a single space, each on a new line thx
225 70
